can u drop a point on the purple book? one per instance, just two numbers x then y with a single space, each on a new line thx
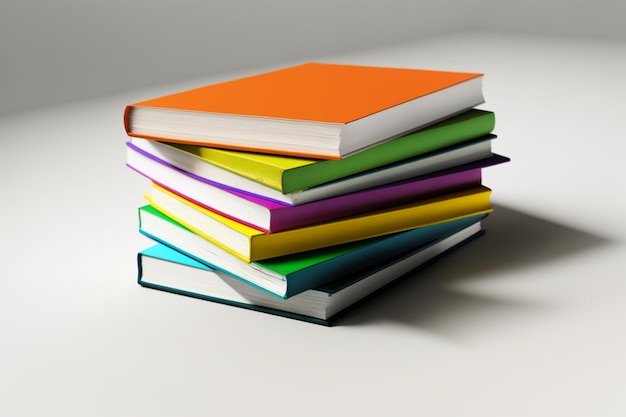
272 216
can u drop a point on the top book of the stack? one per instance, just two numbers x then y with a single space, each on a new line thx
313 110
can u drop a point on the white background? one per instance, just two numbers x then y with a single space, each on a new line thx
526 321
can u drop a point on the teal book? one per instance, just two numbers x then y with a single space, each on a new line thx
162 268
289 275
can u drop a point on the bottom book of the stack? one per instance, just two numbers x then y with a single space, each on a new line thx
163 268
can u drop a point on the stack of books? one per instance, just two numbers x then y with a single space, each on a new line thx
303 191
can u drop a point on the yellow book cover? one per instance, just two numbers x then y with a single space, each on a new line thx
251 244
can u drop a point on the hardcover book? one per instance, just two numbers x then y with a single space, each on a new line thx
250 244
316 110
172 177
271 217
287 276
289 174
163 268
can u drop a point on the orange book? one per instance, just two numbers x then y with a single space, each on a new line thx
316 110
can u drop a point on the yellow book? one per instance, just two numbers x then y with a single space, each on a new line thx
251 244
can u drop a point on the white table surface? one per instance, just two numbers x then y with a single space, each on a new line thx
529 320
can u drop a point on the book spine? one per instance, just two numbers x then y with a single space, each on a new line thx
380 252
290 217
458 205
468 126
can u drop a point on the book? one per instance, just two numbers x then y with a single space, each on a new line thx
251 244
163 268
172 177
316 110
289 275
288 174
270 217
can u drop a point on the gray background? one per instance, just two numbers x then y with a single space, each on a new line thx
68 49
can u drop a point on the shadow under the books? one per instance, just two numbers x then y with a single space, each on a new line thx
427 298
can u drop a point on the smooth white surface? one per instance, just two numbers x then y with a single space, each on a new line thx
526 321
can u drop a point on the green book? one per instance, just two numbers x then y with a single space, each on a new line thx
288 174
289 275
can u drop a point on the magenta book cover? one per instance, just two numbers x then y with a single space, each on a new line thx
284 217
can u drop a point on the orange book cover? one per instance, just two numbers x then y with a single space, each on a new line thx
331 94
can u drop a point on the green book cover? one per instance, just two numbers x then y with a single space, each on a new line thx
293 274
289 174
